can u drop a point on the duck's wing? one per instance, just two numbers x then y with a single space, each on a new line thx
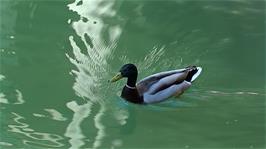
173 90
158 76
144 84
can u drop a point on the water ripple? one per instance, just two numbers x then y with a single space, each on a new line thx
5 144
73 130
4 99
99 39
39 138
19 98
55 115
98 124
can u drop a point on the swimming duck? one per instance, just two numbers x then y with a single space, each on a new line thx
157 87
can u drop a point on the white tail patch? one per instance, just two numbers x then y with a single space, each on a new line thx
196 74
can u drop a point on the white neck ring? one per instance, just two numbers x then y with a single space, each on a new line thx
130 87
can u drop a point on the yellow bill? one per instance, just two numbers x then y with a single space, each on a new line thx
117 77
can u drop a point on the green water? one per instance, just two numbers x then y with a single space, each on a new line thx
56 58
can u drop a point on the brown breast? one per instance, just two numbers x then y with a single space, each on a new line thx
131 95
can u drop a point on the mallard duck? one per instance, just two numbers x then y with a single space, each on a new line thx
157 87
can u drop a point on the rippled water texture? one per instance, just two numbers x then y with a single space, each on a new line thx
57 57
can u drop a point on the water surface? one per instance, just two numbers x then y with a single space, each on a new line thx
57 57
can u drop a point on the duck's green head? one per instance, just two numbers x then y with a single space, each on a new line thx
126 71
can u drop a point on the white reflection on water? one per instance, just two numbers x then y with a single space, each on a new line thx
3 98
2 77
2 95
40 138
55 115
19 98
99 39
238 7
101 133
5 144
234 93
73 130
